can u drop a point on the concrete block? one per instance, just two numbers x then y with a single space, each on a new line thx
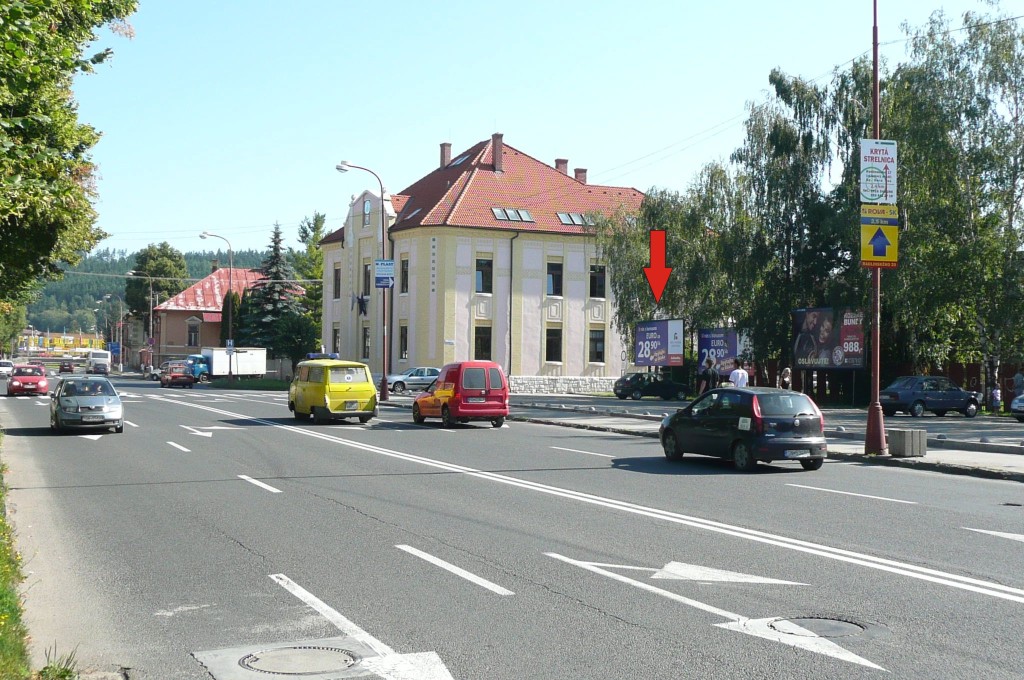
907 443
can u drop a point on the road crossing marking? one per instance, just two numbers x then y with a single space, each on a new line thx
850 493
259 484
589 453
179 447
458 571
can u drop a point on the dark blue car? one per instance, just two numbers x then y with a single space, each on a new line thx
915 394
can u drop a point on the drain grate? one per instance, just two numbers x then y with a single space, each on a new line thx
820 626
299 660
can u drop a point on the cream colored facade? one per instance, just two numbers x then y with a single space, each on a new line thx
442 315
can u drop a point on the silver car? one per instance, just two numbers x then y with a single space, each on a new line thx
6 368
416 379
86 401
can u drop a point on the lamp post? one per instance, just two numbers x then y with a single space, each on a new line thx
118 335
231 305
344 167
149 342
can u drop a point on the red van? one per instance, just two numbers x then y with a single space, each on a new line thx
465 391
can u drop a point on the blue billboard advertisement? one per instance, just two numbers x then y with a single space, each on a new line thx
722 346
659 343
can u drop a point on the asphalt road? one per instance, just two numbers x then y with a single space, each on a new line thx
216 530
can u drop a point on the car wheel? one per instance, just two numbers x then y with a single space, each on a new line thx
364 419
742 458
888 412
972 410
398 388
446 418
637 395
119 428
681 395
417 417
204 378
940 413
671 446
813 464
917 409
497 422
319 416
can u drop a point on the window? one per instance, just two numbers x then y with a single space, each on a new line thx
564 218
366 213
499 213
554 278
366 342
553 344
512 214
403 276
596 355
576 218
525 214
193 335
403 342
597 280
337 282
484 274
482 343
336 338
367 280
474 379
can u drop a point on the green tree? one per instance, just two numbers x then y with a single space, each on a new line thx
309 265
229 310
46 175
164 267
275 296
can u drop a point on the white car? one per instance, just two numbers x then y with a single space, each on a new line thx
6 368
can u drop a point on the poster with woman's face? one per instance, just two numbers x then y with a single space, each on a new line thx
823 338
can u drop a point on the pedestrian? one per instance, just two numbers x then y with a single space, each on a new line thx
786 378
1018 383
739 375
997 398
709 376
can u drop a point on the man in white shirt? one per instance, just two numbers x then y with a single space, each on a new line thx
739 375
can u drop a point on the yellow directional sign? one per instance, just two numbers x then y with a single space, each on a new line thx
879 245
885 212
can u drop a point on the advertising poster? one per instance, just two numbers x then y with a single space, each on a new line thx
722 345
827 338
659 343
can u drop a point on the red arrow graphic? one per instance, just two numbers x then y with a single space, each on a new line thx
657 273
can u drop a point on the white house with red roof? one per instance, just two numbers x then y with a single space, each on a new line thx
493 260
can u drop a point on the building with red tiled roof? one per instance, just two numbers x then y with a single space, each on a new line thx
493 260
191 319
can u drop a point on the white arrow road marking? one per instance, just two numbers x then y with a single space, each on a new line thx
695 572
793 635
389 665
849 493
130 423
93 437
906 569
458 571
259 484
1000 534
195 431
589 453
179 447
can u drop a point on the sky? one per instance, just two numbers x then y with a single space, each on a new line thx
230 116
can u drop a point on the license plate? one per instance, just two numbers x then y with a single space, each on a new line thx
351 405
797 453
92 419
475 400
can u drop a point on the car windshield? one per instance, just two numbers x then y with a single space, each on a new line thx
785 404
902 383
28 370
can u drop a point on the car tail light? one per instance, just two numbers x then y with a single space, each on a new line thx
757 422
821 418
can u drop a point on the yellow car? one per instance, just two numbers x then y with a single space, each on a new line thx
332 389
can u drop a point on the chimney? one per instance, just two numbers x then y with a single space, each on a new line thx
214 265
581 175
562 165
497 148
446 154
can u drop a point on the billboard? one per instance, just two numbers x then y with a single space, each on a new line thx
825 338
659 343
721 345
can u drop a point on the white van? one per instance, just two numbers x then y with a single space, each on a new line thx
97 361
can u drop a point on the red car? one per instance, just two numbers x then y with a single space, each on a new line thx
177 373
27 379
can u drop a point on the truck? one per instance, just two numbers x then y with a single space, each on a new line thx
97 361
212 362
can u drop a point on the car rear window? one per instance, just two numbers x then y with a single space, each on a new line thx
784 404
348 374
495 376
902 383
473 379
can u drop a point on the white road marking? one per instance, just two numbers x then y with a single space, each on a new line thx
793 634
989 588
589 453
179 447
696 572
177 610
195 431
1000 534
849 493
92 437
130 423
458 571
259 484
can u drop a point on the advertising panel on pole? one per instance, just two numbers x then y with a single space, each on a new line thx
721 345
659 343
384 273
877 171
827 339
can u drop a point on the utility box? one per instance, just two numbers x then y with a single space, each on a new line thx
907 443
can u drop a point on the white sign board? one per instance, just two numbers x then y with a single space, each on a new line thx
877 171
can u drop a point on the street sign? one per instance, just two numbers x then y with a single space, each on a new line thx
879 246
877 171
229 346
384 273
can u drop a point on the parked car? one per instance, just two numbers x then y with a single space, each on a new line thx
332 389
86 401
915 394
177 374
417 379
640 385
465 391
1017 408
747 425
27 379
66 366
6 368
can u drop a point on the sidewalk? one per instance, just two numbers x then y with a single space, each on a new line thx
977 459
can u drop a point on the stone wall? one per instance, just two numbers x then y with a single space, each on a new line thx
540 384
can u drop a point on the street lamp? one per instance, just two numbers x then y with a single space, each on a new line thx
344 167
118 335
149 343
231 304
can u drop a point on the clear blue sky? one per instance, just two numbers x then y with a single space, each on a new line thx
229 116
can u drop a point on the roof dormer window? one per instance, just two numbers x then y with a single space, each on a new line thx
512 214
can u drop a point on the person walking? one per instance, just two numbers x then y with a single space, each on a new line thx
997 399
739 375
786 378
709 376
1018 383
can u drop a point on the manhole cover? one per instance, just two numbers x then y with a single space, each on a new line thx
822 627
305 660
